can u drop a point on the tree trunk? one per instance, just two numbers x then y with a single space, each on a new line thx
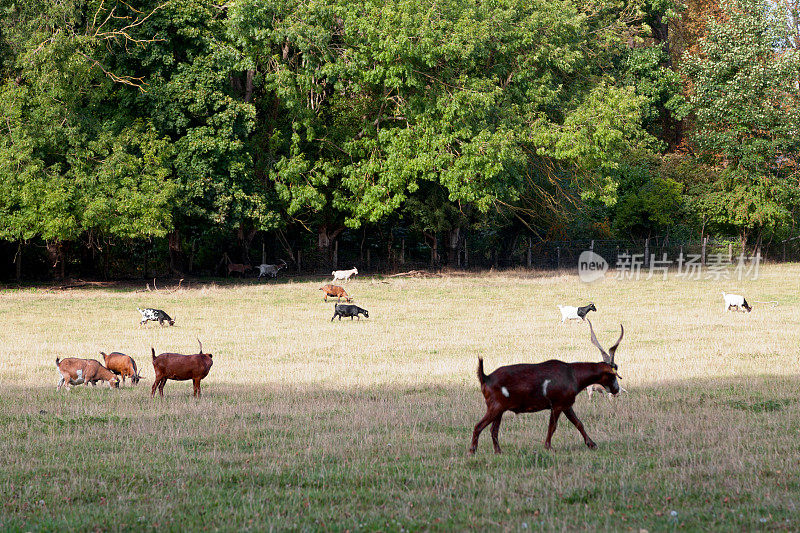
431 237
18 262
245 239
176 256
453 242
248 87
325 238
56 253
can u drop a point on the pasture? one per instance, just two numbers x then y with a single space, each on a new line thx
364 425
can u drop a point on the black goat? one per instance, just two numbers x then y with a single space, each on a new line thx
348 310
527 388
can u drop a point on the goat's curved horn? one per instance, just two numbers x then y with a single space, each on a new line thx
613 349
201 345
607 358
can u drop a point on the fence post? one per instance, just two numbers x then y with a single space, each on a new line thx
336 254
558 257
730 252
647 252
369 260
529 251
466 256
703 251
403 251
591 245
298 261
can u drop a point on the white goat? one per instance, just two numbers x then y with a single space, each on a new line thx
737 301
569 312
344 274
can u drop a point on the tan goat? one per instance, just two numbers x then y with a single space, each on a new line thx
76 371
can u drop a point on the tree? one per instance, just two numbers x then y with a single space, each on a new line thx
747 107
73 162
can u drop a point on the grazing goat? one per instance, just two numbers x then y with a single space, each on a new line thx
180 368
527 388
237 267
156 315
122 365
737 301
591 389
574 313
341 310
265 269
76 371
344 274
335 291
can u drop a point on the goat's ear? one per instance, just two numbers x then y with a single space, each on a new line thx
607 358
613 349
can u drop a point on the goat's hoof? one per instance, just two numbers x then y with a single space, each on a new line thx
591 445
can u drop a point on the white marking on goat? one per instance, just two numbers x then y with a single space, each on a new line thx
544 387
505 392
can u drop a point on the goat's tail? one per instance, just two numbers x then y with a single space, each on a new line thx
723 294
154 352
57 361
481 374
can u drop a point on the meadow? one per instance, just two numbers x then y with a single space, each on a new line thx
364 425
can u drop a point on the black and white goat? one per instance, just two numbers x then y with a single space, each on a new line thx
527 388
569 312
737 301
156 315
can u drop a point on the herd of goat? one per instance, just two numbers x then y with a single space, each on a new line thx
520 388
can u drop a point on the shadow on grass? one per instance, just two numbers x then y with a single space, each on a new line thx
719 453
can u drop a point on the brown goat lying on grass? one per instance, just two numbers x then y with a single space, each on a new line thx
122 365
76 371
180 368
527 388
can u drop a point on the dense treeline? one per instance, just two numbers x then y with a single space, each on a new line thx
159 136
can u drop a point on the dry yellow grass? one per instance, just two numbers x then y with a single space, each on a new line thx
307 424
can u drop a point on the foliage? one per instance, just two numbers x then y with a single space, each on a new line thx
747 107
214 122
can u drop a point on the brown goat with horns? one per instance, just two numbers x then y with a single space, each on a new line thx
527 388
180 368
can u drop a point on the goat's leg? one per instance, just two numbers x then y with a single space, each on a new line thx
496 432
196 391
161 387
155 386
480 426
572 417
551 428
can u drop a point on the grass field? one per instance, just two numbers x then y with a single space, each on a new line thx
310 425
